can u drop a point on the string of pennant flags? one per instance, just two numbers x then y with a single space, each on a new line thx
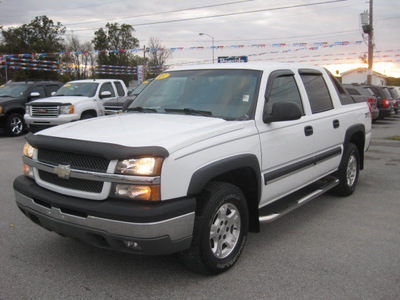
307 45
19 61
120 70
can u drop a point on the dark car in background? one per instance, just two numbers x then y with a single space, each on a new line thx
396 99
384 100
120 104
14 96
360 94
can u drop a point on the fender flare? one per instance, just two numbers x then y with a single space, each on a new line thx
350 132
205 174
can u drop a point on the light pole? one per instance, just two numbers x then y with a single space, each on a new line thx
202 33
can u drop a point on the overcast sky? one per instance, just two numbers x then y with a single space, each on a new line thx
230 22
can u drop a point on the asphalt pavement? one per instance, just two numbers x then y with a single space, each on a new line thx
331 248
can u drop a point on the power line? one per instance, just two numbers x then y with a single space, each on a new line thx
72 8
163 12
239 13
231 14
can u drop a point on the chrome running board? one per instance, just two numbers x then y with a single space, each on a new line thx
303 200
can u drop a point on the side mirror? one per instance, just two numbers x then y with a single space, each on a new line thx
53 93
283 111
105 94
34 95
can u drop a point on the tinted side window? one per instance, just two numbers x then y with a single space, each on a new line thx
318 93
353 91
120 89
284 89
107 87
51 88
39 89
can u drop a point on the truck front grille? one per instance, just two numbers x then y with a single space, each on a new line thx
44 111
74 160
72 183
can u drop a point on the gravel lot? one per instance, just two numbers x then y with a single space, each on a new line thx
331 248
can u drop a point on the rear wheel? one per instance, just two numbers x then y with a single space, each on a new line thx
220 229
348 172
15 125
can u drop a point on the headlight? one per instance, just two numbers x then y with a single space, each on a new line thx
66 109
140 166
28 150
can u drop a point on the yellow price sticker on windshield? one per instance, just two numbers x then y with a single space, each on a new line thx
163 76
67 84
1 85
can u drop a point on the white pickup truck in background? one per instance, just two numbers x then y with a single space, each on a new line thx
203 155
75 100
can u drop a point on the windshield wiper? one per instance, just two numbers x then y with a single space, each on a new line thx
6 96
190 111
142 109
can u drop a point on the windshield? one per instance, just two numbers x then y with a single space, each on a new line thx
87 89
141 87
13 90
227 94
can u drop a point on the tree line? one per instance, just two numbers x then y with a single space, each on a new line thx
43 35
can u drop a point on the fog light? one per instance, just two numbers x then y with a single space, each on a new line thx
28 170
138 192
132 245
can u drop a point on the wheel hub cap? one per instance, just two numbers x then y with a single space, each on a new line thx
225 230
351 170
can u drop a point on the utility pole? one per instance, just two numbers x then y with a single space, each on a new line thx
370 43
367 27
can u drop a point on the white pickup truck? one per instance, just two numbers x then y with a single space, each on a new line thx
75 100
203 156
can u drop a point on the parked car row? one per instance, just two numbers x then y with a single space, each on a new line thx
383 101
36 105
19 108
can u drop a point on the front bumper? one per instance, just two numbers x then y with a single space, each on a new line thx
127 226
51 121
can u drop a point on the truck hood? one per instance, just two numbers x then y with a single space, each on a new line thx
63 99
170 131
4 100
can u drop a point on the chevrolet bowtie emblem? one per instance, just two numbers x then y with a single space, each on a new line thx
63 171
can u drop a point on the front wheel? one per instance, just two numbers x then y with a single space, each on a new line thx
87 115
220 229
348 172
15 125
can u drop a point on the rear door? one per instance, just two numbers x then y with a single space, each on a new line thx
328 124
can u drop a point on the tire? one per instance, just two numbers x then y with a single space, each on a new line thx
87 115
348 172
220 229
15 125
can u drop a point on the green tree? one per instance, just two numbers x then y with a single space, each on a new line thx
41 35
115 37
